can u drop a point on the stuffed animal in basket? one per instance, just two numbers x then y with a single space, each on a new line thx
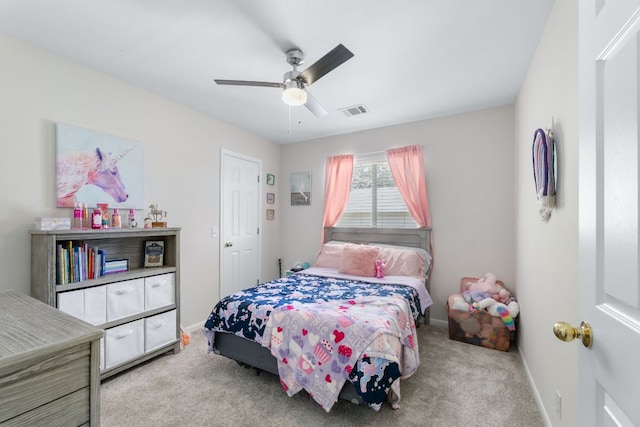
507 312
488 284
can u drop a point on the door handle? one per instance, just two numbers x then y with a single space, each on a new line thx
228 244
565 332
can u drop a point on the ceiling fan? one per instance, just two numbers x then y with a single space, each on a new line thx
295 82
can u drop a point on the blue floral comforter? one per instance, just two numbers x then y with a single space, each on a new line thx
373 373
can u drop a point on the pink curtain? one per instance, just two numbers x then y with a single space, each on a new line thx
407 168
337 185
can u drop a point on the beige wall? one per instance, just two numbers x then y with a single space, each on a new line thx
469 168
182 162
547 253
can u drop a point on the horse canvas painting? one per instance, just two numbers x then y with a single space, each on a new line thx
93 167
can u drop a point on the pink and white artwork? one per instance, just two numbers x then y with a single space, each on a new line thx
93 167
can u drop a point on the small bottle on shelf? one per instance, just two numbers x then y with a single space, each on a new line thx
132 218
96 219
86 218
116 221
77 216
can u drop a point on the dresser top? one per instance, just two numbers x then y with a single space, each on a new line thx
29 326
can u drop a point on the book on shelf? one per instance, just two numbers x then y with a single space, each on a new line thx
77 262
154 253
102 261
116 266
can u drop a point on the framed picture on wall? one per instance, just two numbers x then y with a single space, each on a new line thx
94 167
271 198
271 179
271 213
300 188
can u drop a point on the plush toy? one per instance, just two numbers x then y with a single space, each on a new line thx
502 296
471 297
457 302
488 284
379 268
495 308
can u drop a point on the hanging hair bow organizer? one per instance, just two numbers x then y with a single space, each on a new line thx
544 167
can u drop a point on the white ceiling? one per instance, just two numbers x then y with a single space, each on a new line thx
414 59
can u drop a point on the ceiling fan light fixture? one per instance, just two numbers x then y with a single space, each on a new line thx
294 94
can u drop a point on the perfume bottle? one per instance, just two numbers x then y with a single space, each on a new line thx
77 216
116 221
96 219
132 218
86 218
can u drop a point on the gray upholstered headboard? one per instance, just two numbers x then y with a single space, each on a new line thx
412 237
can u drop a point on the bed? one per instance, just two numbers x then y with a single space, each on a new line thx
335 330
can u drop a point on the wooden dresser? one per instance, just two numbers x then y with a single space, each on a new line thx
49 365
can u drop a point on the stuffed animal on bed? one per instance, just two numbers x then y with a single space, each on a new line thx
379 268
495 308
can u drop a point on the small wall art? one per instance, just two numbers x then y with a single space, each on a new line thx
271 179
271 213
271 198
300 188
93 167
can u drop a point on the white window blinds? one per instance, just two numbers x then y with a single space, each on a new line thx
374 200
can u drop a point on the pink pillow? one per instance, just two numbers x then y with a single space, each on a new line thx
402 262
358 260
329 255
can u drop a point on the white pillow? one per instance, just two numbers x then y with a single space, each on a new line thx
329 255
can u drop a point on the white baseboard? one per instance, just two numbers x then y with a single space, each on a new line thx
195 327
534 390
439 322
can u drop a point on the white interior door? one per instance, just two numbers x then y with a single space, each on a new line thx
609 216
240 216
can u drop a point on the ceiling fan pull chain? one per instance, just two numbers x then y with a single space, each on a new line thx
289 118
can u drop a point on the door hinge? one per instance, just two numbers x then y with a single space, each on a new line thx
258 179
257 281
258 231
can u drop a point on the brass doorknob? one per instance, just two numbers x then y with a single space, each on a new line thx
565 332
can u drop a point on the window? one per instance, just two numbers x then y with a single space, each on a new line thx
374 200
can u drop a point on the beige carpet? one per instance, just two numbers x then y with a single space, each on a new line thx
457 384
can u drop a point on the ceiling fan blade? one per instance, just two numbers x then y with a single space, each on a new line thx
314 106
336 57
248 83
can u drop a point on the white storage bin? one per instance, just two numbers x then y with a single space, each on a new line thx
95 305
159 330
72 303
124 342
159 291
87 304
124 299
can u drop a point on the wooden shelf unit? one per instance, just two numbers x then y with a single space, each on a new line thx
118 243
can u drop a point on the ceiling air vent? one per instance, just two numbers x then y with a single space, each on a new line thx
354 111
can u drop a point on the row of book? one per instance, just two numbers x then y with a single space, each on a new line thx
79 261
